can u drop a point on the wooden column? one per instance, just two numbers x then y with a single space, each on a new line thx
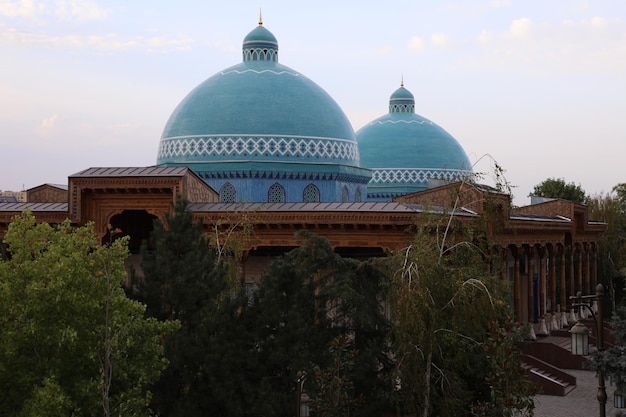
552 277
572 272
542 281
517 287
588 268
581 287
530 271
563 300
594 268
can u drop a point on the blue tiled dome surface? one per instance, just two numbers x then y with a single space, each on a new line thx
259 121
408 140
405 151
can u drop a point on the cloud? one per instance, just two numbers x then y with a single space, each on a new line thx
417 44
440 40
79 10
47 125
386 50
107 42
161 43
21 8
521 28
497 4
485 36
476 8
593 45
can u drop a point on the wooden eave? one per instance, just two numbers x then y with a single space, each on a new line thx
53 213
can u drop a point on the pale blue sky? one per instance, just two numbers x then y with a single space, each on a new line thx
540 85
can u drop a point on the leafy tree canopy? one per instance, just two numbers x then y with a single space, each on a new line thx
186 278
558 188
308 300
620 191
611 209
453 336
71 342
613 360
254 345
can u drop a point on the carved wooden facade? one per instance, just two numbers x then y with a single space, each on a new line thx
98 194
535 242
549 250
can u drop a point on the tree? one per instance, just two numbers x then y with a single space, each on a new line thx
61 351
620 191
183 279
335 396
558 188
613 360
308 299
453 335
611 209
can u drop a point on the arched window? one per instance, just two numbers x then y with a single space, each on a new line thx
311 194
227 193
357 195
276 194
345 196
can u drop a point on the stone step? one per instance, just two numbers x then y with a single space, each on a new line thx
550 383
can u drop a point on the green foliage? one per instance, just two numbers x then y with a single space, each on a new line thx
611 209
184 280
620 192
510 393
558 188
307 299
230 234
335 396
613 360
235 356
448 311
56 333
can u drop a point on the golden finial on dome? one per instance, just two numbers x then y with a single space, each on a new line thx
402 81
260 17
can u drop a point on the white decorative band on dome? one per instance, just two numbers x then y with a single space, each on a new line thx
295 74
419 122
402 108
261 147
260 54
411 175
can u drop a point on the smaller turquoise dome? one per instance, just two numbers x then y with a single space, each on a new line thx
402 100
406 151
260 34
260 42
402 93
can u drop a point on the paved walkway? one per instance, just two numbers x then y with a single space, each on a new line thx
580 402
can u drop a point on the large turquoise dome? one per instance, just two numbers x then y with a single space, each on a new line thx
261 131
406 151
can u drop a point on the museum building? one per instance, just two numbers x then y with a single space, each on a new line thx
261 140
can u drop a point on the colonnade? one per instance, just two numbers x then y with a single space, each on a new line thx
545 276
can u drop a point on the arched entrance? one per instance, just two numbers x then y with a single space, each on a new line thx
137 224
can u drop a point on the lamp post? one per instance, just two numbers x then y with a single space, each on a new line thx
580 337
304 405
302 400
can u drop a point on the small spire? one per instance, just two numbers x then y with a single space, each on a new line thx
260 17
402 81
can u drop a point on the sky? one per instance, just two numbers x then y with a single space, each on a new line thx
536 87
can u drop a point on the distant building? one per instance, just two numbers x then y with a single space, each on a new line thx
18 195
47 193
